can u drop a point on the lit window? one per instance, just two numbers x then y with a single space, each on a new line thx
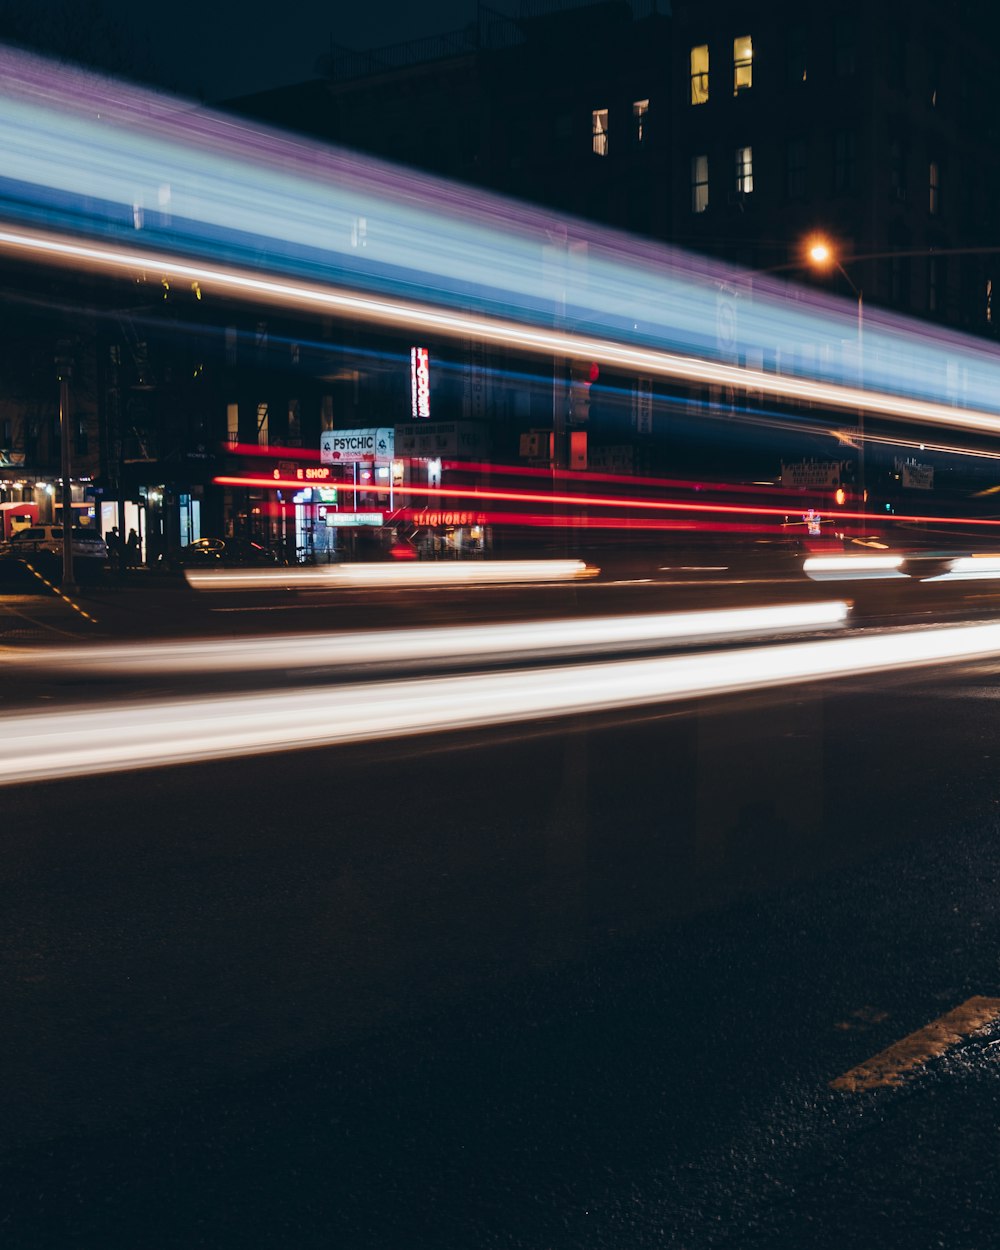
742 64
600 131
699 74
640 113
699 184
934 181
233 424
744 170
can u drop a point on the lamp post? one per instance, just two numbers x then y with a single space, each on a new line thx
821 255
64 369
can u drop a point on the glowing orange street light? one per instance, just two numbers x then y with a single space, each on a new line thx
822 255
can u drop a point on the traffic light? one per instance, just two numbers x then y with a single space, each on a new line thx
582 375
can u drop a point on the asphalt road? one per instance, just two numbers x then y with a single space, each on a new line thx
579 986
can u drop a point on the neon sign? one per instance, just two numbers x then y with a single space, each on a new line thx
420 382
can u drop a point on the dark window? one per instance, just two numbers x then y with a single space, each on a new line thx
844 160
845 47
897 169
795 56
795 169
896 68
699 184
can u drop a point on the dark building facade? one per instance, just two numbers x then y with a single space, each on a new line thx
871 125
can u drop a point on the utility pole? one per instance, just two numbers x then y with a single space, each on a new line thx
64 371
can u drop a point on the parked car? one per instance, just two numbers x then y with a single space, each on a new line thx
226 553
42 545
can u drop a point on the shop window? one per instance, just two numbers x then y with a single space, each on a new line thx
744 171
742 64
599 119
699 74
640 115
699 184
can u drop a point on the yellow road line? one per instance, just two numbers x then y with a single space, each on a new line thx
55 590
889 1065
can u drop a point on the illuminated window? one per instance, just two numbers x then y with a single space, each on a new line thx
640 113
699 184
742 64
934 188
744 170
699 74
844 160
600 131
233 424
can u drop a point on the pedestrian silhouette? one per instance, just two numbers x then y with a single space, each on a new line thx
132 549
115 548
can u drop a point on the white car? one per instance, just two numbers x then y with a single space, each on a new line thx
47 541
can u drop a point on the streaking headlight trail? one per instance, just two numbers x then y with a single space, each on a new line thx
853 568
393 576
105 162
37 746
518 641
409 314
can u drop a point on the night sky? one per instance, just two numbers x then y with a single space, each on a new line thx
220 48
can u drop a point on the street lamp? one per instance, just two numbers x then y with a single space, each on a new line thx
64 370
821 256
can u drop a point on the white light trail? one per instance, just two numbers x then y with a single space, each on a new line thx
392 576
849 568
101 739
969 569
517 641
410 315
119 162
